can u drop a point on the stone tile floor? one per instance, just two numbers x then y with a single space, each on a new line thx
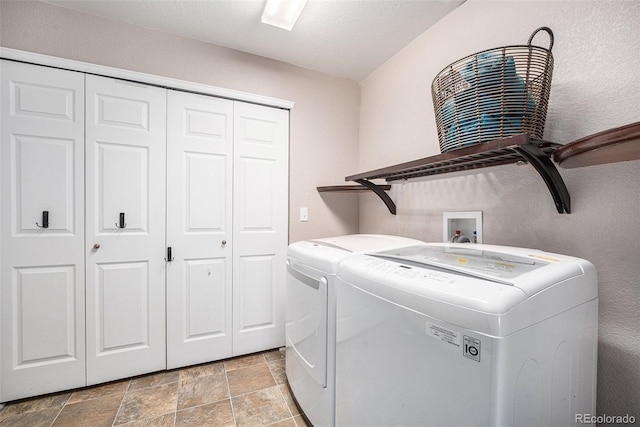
243 391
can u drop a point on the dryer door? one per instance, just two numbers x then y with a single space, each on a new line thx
306 327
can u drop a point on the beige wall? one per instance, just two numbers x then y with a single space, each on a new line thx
324 120
595 87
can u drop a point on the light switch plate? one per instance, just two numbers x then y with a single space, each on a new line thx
304 214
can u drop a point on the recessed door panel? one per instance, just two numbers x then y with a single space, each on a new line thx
42 101
261 208
256 296
44 181
126 163
123 314
45 328
255 202
118 111
206 187
206 123
258 131
42 316
199 308
205 285
123 187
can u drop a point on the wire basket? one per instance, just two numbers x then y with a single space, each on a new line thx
493 94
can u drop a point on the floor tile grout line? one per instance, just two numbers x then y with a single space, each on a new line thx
59 412
285 401
74 391
277 422
175 411
205 404
249 392
233 414
280 391
122 402
235 423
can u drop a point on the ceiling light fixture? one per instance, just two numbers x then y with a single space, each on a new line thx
282 13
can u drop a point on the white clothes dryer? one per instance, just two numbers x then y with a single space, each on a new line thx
310 317
465 335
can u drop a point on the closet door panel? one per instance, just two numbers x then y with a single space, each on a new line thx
205 205
51 191
261 138
42 331
256 293
44 336
122 313
199 131
126 162
123 177
205 320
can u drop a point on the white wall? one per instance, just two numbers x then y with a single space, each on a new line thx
324 121
596 86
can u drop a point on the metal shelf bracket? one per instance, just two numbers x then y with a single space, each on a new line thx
380 193
545 167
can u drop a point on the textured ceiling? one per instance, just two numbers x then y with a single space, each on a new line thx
345 38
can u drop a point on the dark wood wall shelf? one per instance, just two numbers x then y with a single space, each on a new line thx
613 145
610 146
518 148
350 188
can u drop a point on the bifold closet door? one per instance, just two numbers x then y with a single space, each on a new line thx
125 228
261 211
199 218
42 334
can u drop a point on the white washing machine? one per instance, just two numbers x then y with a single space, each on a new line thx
310 317
465 335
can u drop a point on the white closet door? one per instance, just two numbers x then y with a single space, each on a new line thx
261 188
42 266
125 163
199 185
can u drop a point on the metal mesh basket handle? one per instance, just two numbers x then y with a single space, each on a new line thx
548 30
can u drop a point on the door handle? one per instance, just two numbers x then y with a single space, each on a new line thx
169 257
45 220
122 224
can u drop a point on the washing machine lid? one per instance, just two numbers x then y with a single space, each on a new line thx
490 289
325 254
527 269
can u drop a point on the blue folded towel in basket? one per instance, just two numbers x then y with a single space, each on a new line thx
488 128
488 68
492 106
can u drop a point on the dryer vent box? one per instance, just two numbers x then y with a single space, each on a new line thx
466 222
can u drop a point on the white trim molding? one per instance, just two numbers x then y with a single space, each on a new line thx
85 67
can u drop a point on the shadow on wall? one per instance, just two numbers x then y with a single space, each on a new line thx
339 202
615 368
343 207
494 191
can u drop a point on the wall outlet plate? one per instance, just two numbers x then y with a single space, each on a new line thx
466 222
